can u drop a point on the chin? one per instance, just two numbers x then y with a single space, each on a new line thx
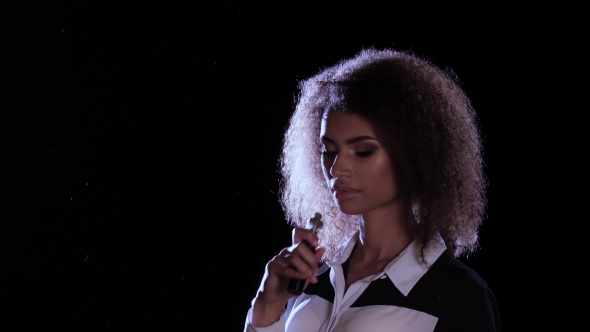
349 209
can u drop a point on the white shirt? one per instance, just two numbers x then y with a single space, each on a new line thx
385 306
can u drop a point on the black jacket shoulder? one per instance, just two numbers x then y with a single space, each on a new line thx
457 295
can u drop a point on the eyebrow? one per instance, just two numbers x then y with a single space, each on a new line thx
349 141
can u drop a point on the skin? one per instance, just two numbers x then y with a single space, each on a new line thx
297 261
355 162
353 156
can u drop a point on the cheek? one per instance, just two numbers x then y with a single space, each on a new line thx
382 177
325 167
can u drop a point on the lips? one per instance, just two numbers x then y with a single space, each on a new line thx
343 192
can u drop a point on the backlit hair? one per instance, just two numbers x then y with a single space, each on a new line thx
428 126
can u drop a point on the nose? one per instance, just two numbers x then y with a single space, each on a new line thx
341 167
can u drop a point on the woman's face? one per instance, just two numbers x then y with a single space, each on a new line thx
357 168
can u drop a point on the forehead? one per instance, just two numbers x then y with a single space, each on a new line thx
343 125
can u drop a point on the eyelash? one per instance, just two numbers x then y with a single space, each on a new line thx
362 154
329 153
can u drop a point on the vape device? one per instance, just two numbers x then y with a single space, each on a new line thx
296 286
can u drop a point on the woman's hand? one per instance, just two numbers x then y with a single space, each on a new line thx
297 261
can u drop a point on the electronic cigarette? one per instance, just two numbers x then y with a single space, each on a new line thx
296 286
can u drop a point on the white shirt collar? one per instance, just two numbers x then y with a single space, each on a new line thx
404 270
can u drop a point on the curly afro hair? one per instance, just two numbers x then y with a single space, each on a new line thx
424 119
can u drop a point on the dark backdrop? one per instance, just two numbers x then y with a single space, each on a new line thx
139 150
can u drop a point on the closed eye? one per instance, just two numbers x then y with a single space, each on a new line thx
329 153
364 154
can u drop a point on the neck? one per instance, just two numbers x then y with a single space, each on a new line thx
383 234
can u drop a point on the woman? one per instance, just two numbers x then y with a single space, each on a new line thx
385 146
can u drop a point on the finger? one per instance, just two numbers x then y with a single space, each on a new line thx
310 280
284 252
300 234
281 260
289 272
319 252
307 255
300 265
313 279
280 267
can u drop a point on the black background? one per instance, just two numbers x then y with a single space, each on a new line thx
140 143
